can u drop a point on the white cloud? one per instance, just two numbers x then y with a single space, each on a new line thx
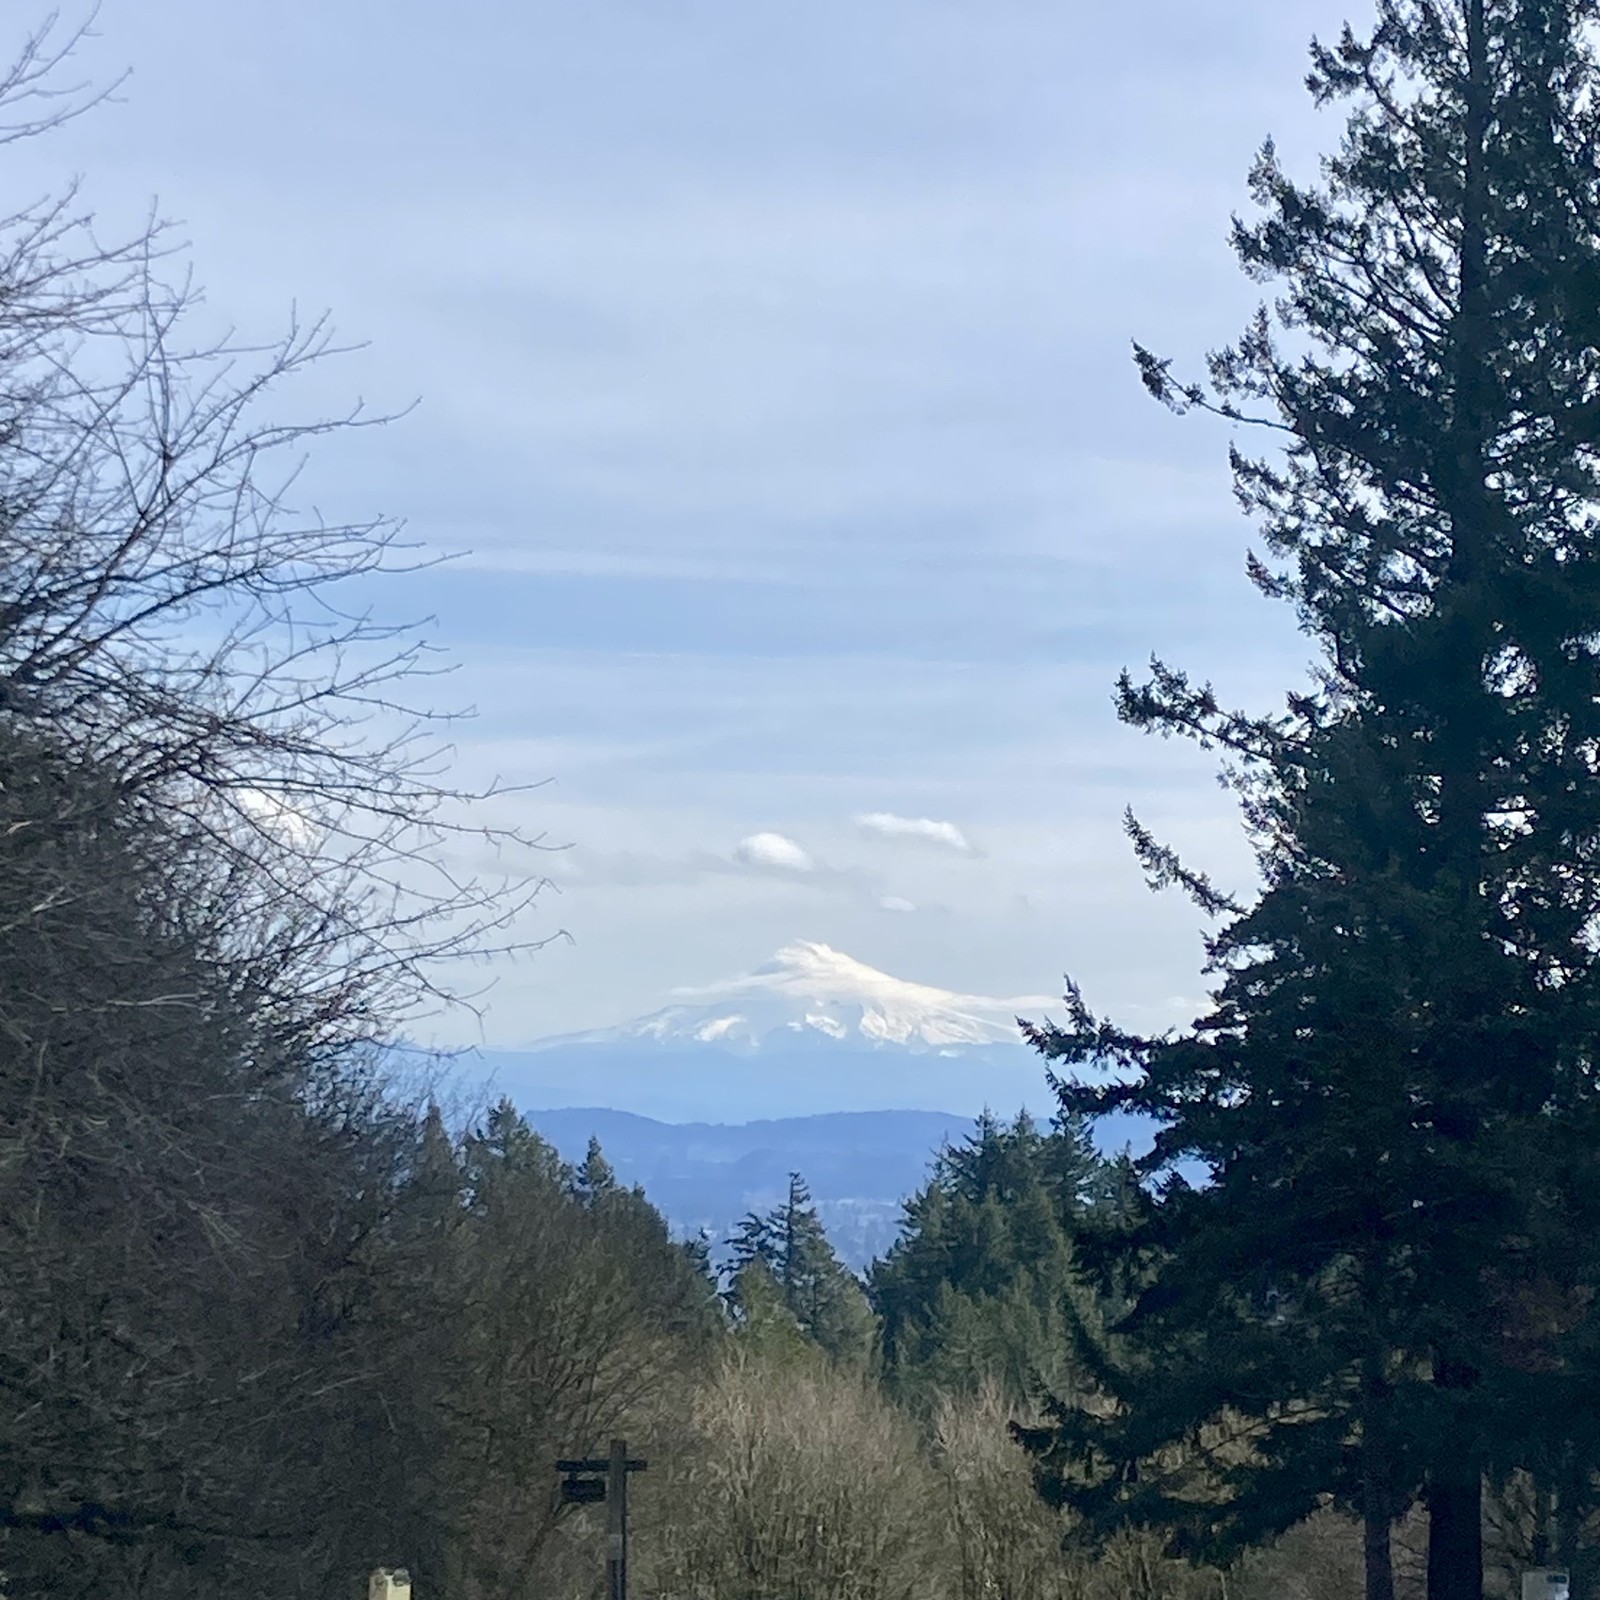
894 902
886 825
772 850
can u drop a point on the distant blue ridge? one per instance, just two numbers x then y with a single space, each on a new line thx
859 1165
685 1082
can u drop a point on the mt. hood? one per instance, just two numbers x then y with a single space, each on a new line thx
809 1031
809 992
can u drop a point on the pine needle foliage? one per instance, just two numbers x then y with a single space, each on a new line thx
1382 1292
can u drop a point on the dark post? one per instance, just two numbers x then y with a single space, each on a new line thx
617 1543
585 1479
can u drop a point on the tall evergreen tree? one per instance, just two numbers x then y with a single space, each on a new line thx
1393 1089
595 1178
790 1247
978 1289
763 1323
753 1240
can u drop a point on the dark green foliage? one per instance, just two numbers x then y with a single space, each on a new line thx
594 1180
754 1240
697 1251
788 1248
763 1323
979 1287
1393 1088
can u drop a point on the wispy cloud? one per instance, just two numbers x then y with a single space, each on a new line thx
923 830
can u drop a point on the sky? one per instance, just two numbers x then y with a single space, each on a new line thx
773 393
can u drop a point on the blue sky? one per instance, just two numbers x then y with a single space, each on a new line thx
774 389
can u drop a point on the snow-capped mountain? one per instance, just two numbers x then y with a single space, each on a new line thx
811 990
811 1031
813 1062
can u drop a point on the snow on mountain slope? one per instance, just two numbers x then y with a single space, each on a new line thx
810 991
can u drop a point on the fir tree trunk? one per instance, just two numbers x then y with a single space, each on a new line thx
1455 1534
1454 1493
1377 1553
1464 493
1455 1489
1377 1502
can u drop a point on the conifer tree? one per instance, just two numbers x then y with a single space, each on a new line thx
1393 1089
595 1178
753 1240
790 1246
763 1322
697 1251
802 1247
978 1289
506 1147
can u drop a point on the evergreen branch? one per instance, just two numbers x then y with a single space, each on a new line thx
1163 868
1181 398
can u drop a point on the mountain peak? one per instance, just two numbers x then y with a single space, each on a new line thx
807 967
809 990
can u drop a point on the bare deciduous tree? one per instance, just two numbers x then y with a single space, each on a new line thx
226 828
807 1485
168 609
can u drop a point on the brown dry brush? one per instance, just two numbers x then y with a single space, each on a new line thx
803 1483
800 1480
